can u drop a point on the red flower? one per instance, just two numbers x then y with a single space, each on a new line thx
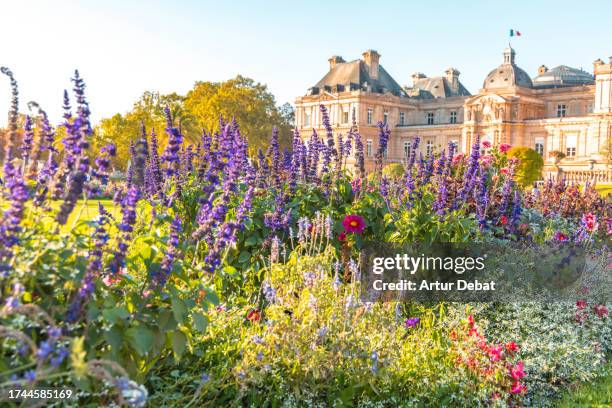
504 147
590 222
517 372
581 304
486 144
254 315
504 170
560 237
342 236
518 388
511 347
354 223
458 158
600 310
496 353
471 321
503 220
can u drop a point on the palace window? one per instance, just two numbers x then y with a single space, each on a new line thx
429 148
386 152
406 149
402 121
307 119
345 116
370 116
369 147
570 145
561 111
385 117
453 117
430 118
539 145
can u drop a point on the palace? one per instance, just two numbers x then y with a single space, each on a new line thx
560 110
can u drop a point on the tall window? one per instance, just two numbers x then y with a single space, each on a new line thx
386 151
429 148
561 111
369 147
345 116
539 145
307 119
386 117
370 116
402 118
570 145
453 117
406 149
430 118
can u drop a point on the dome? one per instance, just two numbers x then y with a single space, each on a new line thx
562 76
507 74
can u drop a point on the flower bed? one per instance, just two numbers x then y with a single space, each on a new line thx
219 278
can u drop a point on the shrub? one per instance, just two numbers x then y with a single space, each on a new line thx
394 171
530 165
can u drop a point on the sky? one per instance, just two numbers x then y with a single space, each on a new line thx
123 48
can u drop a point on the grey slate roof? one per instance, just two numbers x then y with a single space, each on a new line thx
353 75
563 76
507 75
437 87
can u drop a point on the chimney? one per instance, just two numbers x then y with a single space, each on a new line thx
416 76
335 59
542 70
371 58
452 76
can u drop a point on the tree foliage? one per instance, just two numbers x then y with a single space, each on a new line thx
251 103
530 165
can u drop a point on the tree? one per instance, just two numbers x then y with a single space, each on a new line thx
249 102
148 110
530 165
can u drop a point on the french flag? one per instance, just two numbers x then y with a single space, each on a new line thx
515 33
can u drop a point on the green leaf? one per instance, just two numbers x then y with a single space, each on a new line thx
244 257
113 314
114 337
179 343
166 320
252 240
145 252
200 321
141 338
178 309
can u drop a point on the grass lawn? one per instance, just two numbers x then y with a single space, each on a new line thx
594 394
87 210
604 189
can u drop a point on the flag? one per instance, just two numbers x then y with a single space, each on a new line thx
514 33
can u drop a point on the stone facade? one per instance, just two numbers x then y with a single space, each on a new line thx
560 110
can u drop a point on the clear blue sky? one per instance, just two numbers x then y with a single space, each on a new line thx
123 48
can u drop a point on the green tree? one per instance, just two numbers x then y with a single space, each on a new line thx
530 165
250 102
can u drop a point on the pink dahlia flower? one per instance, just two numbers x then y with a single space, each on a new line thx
354 224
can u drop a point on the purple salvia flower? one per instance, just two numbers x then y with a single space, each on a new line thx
330 149
141 153
383 140
359 156
160 278
28 139
171 155
13 115
94 268
128 206
11 219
